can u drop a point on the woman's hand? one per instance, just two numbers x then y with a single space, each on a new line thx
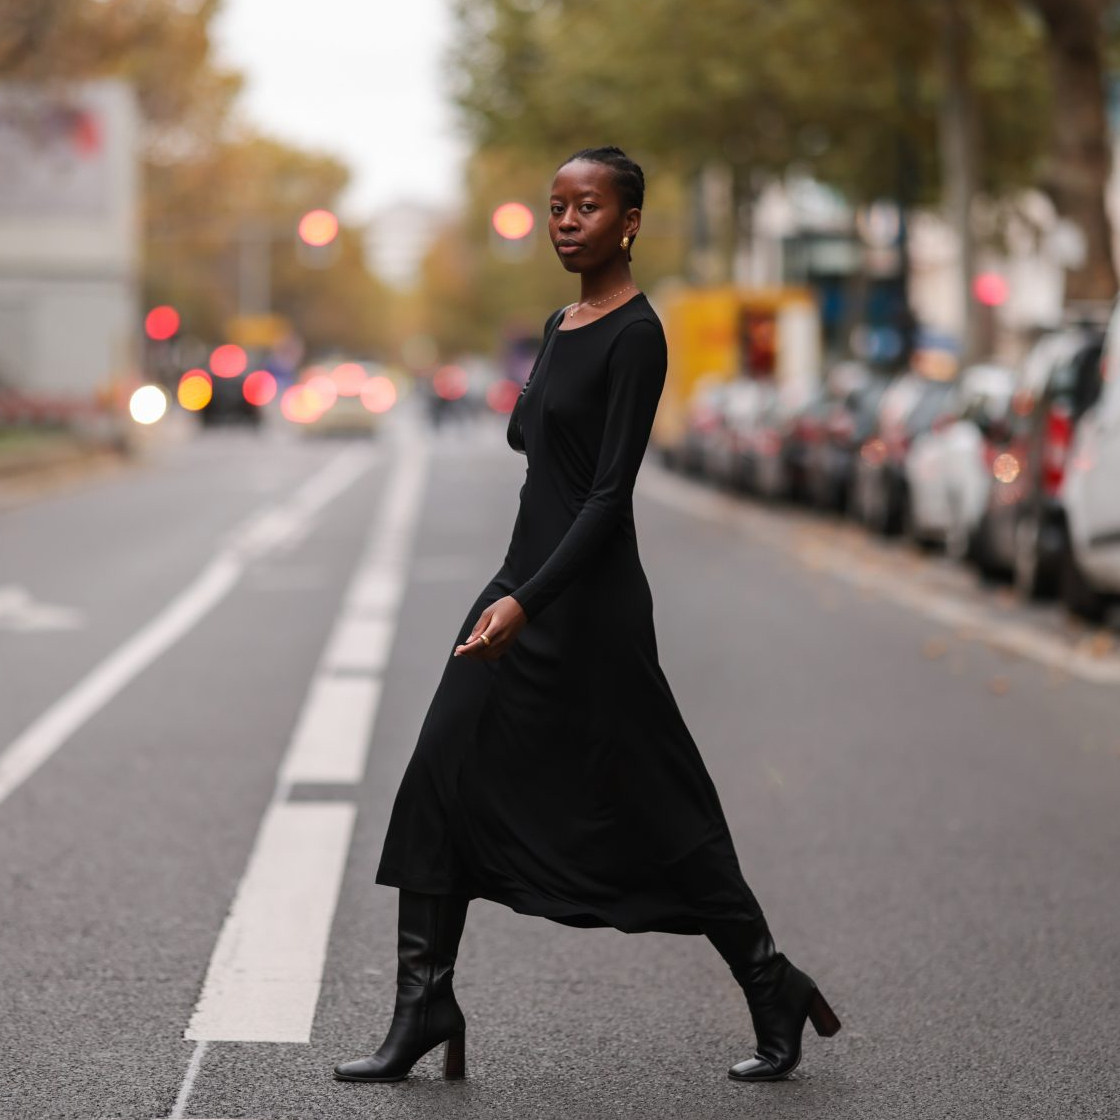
500 623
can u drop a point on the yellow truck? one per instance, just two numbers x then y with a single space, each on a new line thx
718 334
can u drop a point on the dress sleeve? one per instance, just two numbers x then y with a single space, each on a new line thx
635 378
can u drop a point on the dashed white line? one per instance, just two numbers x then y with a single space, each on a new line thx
265 973
263 981
332 735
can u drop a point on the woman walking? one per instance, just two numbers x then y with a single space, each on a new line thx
554 773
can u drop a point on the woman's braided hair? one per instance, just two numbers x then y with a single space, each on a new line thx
627 175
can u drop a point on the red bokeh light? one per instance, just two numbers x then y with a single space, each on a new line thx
300 405
228 360
990 289
502 395
161 323
513 221
318 228
323 389
450 382
379 394
259 387
349 378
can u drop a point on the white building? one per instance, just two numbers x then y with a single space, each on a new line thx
69 239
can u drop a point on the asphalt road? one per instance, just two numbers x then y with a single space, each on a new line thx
921 778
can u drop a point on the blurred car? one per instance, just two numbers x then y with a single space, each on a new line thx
228 403
728 451
763 461
1090 493
906 408
703 422
1022 528
948 469
803 431
830 469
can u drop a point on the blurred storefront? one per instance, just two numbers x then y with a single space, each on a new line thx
69 239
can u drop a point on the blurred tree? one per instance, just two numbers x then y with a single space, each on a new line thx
755 87
469 295
209 182
1079 163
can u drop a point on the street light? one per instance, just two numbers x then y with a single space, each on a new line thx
511 228
318 228
317 238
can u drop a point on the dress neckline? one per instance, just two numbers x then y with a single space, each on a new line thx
572 330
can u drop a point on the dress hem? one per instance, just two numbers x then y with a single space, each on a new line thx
577 917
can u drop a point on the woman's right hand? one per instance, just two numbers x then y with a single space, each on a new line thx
495 631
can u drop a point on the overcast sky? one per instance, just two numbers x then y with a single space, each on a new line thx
362 80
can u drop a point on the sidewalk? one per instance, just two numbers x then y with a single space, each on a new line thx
36 461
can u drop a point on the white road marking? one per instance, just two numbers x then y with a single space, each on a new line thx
779 531
265 974
264 977
37 743
359 644
375 591
332 735
20 612
179 1110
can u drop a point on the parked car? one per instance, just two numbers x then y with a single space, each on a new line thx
702 424
907 407
764 465
1090 495
730 446
803 430
1022 530
830 470
949 467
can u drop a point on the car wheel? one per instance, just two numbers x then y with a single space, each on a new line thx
1033 580
982 554
1078 594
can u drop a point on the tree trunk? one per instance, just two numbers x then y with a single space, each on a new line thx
1080 157
959 145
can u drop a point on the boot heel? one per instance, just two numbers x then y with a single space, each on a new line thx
455 1057
823 1017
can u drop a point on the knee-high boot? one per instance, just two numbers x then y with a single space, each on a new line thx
426 1013
780 998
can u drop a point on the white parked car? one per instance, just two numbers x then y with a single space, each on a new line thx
949 468
1090 576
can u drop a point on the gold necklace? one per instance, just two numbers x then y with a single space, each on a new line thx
596 302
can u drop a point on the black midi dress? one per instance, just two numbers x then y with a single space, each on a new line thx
560 778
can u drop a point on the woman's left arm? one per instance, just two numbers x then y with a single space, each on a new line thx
635 377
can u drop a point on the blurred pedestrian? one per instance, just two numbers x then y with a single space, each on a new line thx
554 773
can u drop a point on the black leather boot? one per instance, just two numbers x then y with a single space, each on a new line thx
426 1014
780 998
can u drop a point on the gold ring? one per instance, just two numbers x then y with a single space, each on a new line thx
484 639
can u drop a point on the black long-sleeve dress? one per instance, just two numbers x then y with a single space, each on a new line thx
560 779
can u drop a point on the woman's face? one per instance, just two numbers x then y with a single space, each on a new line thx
586 220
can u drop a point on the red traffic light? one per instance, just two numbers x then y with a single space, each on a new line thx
318 228
161 323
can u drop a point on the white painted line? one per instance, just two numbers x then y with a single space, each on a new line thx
332 735
359 645
375 591
31 749
264 977
39 742
939 605
180 1108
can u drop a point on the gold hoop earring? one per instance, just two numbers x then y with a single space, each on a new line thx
626 243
